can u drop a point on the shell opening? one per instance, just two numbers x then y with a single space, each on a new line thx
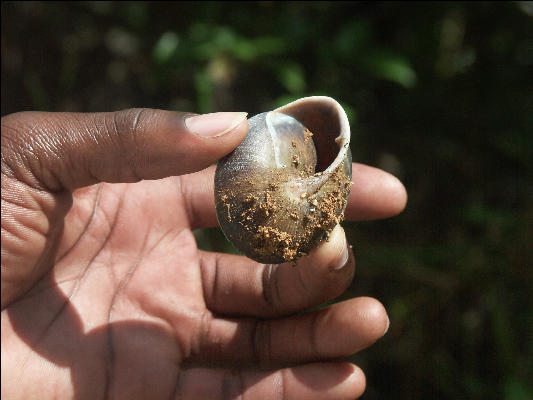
328 122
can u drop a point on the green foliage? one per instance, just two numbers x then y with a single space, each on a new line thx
165 47
393 67
439 94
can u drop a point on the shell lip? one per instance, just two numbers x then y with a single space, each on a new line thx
308 111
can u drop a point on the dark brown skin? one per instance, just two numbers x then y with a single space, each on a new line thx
105 294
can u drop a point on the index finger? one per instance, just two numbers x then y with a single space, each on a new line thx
375 194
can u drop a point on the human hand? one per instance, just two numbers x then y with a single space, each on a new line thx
105 293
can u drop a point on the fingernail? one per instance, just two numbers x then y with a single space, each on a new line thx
387 327
214 124
344 257
338 235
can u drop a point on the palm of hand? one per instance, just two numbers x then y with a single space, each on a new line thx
110 310
132 309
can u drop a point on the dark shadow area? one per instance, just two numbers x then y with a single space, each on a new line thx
94 357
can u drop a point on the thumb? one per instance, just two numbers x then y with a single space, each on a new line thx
56 151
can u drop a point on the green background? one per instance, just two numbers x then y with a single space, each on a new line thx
439 94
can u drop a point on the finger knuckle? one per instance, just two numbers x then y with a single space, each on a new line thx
129 125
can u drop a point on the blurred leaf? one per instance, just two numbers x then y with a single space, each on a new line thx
352 38
213 41
252 49
165 47
204 92
292 77
390 66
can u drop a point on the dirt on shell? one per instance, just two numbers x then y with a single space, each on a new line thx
276 224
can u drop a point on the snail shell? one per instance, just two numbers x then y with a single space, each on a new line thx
285 187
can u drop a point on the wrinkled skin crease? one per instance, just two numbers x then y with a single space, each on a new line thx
121 238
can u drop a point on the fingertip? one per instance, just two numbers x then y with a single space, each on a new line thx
374 312
375 194
326 380
189 142
239 131
354 325
351 380
356 381
388 194
218 134
397 194
217 125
